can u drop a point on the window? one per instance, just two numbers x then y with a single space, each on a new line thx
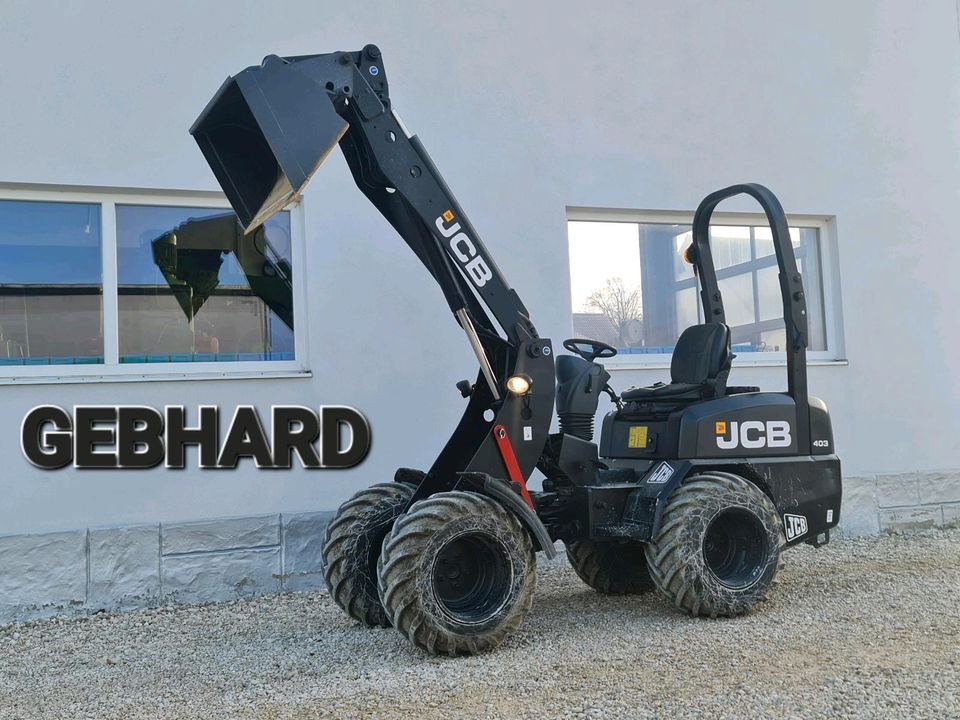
129 284
51 290
631 287
184 295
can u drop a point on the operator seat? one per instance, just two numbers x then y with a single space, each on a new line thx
698 369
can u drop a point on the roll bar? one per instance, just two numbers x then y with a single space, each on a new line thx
791 289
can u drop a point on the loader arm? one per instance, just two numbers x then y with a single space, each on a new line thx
266 132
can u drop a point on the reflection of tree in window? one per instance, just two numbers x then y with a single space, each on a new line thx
623 307
652 253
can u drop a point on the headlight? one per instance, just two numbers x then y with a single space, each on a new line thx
519 384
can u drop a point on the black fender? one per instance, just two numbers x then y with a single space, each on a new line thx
409 476
645 505
808 487
503 492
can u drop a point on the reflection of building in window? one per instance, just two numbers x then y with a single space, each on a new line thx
207 312
232 324
50 324
651 255
596 326
191 285
51 295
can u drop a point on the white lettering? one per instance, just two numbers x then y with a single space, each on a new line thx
469 250
478 271
756 442
755 434
447 232
794 526
731 443
778 434
465 251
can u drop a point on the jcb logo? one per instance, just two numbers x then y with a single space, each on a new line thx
753 434
794 526
464 250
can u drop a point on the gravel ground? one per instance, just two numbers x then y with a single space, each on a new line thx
858 629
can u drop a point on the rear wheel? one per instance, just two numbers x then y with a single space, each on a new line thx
611 568
457 573
351 548
718 548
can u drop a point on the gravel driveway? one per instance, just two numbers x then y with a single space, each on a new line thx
858 629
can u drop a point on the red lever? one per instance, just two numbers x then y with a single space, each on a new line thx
510 461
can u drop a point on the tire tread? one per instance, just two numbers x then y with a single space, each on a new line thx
402 548
345 576
682 584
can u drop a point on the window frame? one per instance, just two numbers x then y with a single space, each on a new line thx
108 198
829 281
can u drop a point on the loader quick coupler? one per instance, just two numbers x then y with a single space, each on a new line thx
139 437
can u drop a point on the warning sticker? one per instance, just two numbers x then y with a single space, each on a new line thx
721 428
638 436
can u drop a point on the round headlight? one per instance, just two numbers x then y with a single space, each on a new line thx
519 384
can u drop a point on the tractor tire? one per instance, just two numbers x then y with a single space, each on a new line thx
351 548
718 548
611 568
457 573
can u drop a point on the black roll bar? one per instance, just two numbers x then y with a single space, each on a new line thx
791 290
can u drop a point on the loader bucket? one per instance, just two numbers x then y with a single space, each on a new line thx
264 134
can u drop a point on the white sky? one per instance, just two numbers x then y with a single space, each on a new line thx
598 251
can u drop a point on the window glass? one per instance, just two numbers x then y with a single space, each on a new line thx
194 288
773 340
738 301
51 288
729 245
768 291
682 270
764 239
812 273
688 310
632 288
607 297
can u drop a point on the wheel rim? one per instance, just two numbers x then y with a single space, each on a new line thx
472 576
735 548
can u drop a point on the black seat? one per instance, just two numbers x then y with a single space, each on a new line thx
698 369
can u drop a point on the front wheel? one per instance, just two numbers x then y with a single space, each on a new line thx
351 547
457 573
718 547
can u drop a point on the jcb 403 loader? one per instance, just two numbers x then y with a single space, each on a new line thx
695 487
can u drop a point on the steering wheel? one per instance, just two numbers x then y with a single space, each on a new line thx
597 350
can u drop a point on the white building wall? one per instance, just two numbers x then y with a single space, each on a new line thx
845 109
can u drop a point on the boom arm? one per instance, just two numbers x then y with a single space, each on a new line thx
265 133
296 108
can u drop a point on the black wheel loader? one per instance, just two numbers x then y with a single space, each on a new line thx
695 487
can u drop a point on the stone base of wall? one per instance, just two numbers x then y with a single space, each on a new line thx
900 503
144 566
